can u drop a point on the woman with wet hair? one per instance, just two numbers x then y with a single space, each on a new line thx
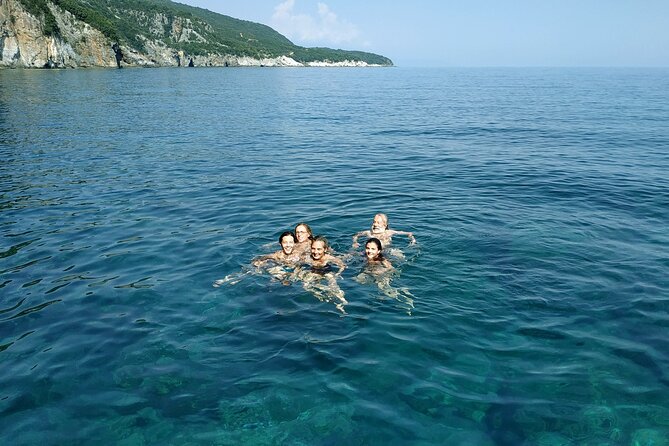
318 273
303 237
374 255
380 271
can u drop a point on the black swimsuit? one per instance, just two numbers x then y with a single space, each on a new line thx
322 270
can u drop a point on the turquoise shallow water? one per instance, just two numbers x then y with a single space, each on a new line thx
539 198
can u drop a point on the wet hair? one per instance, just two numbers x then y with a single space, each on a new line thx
384 217
376 241
306 226
286 234
320 238
378 244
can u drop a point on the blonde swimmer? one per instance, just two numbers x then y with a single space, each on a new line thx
319 273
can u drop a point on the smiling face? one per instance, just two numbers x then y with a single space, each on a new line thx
287 244
380 224
318 249
302 233
372 250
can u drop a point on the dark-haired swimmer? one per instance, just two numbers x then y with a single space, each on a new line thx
285 257
379 270
318 273
374 256
382 232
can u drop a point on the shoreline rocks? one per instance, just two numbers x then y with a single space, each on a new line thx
23 44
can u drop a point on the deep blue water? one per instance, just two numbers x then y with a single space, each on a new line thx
539 198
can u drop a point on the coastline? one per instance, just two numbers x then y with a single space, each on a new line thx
25 42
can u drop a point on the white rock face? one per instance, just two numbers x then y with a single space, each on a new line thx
345 63
23 44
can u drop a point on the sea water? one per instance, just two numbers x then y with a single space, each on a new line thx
539 199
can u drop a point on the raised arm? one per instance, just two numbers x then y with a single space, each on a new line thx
340 264
412 239
260 260
358 235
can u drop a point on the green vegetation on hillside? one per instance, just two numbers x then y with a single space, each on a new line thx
39 9
326 54
91 15
133 22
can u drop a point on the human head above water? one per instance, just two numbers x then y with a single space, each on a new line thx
302 232
320 238
287 242
373 248
319 247
380 222
375 241
286 234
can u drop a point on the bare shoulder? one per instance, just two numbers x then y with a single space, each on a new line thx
332 258
336 260
277 255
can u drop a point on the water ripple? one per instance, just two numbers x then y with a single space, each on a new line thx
538 199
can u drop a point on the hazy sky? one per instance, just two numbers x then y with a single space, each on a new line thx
472 32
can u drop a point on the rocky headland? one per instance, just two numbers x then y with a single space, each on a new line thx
71 34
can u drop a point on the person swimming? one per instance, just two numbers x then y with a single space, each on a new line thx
321 259
285 257
376 267
303 237
374 255
318 274
382 232
379 270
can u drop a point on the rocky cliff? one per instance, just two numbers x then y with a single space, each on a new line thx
27 41
23 42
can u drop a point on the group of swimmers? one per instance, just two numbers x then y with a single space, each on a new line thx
309 259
